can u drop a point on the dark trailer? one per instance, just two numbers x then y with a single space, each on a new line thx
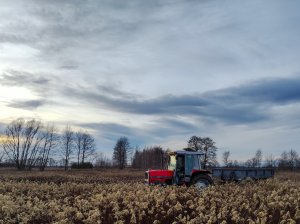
242 173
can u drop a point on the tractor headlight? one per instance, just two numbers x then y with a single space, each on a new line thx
146 180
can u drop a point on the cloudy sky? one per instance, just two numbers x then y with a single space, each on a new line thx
156 71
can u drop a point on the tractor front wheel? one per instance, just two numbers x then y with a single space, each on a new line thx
201 182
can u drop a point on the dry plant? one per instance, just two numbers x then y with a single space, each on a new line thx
120 197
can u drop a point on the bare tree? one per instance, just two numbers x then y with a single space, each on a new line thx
226 160
153 157
121 151
293 158
13 141
289 160
21 143
270 161
2 153
195 144
235 163
207 147
50 141
88 146
52 162
102 161
78 143
257 158
85 146
67 145
283 161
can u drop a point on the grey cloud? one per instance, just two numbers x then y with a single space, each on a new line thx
117 129
167 127
14 38
66 24
246 103
69 67
159 105
22 78
235 113
277 91
173 38
30 104
42 84
274 91
157 129
115 92
112 131
176 122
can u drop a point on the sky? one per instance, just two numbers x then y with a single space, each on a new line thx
157 72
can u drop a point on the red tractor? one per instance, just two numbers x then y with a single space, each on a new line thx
184 168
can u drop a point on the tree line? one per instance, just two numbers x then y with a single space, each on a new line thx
28 144
288 160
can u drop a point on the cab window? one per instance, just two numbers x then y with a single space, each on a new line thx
197 163
189 164
172 163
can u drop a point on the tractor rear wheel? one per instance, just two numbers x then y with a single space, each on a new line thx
201 182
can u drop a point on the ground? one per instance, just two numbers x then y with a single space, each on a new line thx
114 196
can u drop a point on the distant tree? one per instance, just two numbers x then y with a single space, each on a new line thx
121 150
153 157
132 154
137 160
52 162
249 163
226 160
88 146
293 159
85 165
8 163
85 146
289 160
2 154
78 144
67 145
207 147
270 161
235 163
283 161
195 144
50 142
101 160
21 142
257 158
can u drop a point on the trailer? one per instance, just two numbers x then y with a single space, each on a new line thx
242 173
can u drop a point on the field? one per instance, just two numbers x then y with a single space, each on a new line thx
113 196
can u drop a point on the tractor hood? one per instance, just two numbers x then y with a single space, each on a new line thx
159 176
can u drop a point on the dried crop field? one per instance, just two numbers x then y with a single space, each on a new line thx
112 196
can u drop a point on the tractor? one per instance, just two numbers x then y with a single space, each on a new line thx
184 168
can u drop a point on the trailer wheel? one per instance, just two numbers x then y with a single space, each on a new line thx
201 182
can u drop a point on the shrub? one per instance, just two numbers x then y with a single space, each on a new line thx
86 165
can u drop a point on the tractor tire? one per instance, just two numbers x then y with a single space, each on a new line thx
201 182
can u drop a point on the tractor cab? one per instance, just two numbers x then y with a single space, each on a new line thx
184 167
184 164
